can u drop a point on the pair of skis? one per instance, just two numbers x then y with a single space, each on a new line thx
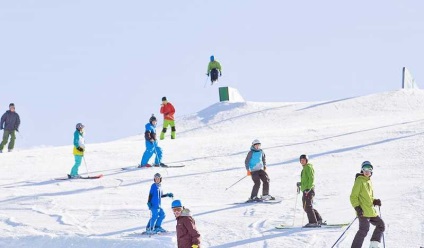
81 177
138 167
340 225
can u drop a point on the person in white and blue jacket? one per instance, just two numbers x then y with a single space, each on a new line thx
154 203
151 145
256 165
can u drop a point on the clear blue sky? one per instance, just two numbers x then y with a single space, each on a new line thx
108 63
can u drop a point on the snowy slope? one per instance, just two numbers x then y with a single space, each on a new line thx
385 128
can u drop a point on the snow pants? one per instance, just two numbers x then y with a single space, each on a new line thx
257 177
364 227
6 135
307 200
156 220
214 75
74 170
151 148
167 123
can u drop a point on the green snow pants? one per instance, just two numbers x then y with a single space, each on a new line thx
6 134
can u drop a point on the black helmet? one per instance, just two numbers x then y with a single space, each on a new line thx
152 118
304 156
157 175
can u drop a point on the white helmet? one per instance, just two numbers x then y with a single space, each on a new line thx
256 141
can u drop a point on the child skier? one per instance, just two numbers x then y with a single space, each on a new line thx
187 234
151 145
213 68
79 148
256 165
362 200
168 111
154 203
308 192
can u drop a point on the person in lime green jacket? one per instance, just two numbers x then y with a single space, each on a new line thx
79 148
306 185
213 68
362 200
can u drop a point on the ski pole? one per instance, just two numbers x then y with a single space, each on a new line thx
384 242
236 182
86 167
294 212
304 205
204 86
344 232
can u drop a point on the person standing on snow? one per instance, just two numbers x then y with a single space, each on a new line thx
168 111
79 148
362 200
255 163
306 185
151 145
154 203
213 68
10 122
187 234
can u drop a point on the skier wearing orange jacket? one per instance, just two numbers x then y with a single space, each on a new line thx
168 111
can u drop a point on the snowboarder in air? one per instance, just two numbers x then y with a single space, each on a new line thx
154 203
151 145
213 68
10 122
187 234
256 168
362 200
168 111
306 185
79 148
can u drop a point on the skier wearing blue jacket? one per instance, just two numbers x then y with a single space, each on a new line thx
154 204
151 145
79 148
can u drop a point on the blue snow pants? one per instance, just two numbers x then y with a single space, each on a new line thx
151 148
157 217
78 159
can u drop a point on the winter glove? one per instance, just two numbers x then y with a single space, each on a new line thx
264 168
207 74
376 202
149 204
220 74
359 211
170 195
194 246
80 149
248 173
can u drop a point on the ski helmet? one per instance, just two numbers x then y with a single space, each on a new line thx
79 126
212 58
176 204
304 156
366 165
255 141
152 118
164 98
157 175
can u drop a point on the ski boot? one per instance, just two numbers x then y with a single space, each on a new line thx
312 225
267 197
160 230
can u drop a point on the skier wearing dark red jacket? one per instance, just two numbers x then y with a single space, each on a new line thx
187 234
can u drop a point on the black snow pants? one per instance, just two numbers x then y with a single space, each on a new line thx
214 75
364 227
257 177
307 200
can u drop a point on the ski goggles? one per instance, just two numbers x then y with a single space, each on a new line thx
367 169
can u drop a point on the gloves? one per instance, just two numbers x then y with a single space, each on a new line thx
376 202
248 173
194 246
264 168
80 149
170 195
298 187
207 74
149 204
220 74
359 211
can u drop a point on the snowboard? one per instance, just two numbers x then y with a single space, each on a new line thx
143 168
275 201
340 225
86 177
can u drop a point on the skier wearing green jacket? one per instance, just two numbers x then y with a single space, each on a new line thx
306 185
213 68
362 200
